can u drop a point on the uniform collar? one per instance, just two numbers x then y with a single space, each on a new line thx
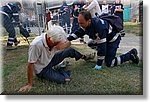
44 39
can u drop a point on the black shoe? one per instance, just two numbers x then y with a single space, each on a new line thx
133 56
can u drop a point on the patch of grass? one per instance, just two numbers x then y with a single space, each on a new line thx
134 28
125 79
13 59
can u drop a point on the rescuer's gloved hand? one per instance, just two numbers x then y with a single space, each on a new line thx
98 67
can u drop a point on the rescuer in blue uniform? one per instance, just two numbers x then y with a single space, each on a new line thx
106 43
65 15
9 13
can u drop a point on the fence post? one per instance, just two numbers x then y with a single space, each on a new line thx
39 13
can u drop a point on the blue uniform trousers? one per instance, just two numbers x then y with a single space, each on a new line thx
59 76
110 57
8 25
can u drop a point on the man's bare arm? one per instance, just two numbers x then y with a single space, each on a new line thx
28 86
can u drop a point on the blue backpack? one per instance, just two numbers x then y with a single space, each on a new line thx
114 21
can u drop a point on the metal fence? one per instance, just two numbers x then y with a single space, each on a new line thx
33 17
34 13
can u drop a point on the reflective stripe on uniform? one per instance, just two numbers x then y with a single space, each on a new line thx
118 60
113 62
15 14
110 29
101 57
101 41
10 38
4 13
102 21
9 7
73 35
115 37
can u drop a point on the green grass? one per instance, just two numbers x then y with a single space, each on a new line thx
125 79
134 28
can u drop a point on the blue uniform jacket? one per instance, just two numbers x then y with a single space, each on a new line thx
11 10
98 31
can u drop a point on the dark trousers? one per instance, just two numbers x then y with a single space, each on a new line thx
66 20
59 76
8 25
110 58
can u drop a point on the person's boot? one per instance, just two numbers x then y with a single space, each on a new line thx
133 56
